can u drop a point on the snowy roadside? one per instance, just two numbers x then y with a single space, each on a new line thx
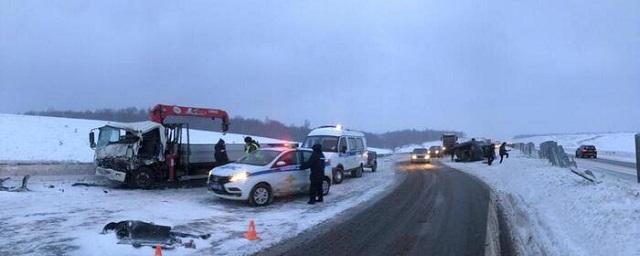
552 211
66 220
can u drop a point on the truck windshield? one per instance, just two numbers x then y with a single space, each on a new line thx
260 157
329 143
109 135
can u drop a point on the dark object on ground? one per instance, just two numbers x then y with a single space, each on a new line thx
372 160
139 233
22 188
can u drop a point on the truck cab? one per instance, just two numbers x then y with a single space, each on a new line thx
141 154
344 149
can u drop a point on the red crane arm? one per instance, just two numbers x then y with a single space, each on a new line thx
160 112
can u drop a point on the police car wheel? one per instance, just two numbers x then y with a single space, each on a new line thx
260 195
142 178
338 176
326 185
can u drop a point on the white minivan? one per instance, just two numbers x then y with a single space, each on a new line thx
344 149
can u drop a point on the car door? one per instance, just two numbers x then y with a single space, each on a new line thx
284 174
302 176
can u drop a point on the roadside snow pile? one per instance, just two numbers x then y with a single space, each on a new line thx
59 219
52 139
616 146
557 212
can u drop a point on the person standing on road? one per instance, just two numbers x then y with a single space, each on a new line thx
491 153
250 145
221 153
503 151
316 163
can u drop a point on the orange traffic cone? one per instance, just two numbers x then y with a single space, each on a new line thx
251 233
158 250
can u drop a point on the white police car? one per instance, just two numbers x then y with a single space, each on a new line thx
344 149
263 175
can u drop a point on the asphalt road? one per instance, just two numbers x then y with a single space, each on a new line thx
613 162
436 210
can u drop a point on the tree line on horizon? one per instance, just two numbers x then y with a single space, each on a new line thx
250 126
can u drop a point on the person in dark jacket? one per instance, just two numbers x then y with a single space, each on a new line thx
503 151
491 153
250 145
316 163
221 153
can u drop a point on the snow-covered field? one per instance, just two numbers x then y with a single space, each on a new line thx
52 139
66 220
615 146
558 213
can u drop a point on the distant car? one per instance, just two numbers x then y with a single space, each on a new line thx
420 155
587 151
436 151
260 176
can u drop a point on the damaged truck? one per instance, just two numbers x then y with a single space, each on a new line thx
143 154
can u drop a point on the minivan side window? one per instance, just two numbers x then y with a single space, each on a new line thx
352 144
359 143
342 144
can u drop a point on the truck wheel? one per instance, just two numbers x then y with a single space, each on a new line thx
260 195
338 175
375 166
326 185
142 178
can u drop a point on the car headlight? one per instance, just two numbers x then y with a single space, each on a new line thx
428 156
429 152
241 176
437 152
414 156
444 148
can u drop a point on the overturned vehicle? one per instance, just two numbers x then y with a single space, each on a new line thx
470 151
143 153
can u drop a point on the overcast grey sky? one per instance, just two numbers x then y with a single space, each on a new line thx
493 68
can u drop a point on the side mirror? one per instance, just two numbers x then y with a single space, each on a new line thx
92 140
281 163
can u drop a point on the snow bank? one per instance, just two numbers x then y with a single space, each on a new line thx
45 139
617 146
559 213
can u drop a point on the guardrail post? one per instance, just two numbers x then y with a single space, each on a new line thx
638 156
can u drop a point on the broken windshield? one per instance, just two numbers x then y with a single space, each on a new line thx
109 135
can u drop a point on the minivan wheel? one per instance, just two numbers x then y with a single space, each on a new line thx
260 195
338 175
326 185
359 171
141 178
